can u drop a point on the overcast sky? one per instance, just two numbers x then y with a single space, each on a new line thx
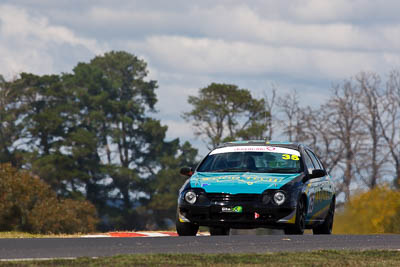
306 45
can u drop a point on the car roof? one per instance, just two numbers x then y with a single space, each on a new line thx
284 144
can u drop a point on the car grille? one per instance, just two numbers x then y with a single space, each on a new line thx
217 197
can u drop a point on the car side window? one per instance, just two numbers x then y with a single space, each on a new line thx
314 160
309 163
319 161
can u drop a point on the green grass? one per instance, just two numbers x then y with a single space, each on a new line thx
28 235
317 258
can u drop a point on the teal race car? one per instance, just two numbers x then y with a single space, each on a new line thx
251 184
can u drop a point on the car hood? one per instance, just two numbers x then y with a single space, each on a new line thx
239 183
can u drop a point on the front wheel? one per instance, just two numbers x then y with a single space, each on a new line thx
186 228
300 223
219 231
326 227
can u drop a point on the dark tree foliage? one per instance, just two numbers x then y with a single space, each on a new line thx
28 204
114 100
167 182
42 109
9 130
223 112
89 134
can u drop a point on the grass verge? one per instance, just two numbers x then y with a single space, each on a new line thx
316 258
28 235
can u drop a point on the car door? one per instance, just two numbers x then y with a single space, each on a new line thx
311 187
327 188
322 199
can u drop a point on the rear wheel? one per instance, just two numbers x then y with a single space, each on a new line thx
186 228
300 223
219 231
326 227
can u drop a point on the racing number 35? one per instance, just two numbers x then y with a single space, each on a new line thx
292 157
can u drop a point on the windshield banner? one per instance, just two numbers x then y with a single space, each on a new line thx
271 149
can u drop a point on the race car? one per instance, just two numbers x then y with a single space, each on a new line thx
251 184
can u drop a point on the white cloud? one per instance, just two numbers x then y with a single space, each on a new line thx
304 44
179 128
30 44
356 11
139 18
221 38
172 95
323 10
208 56
241 23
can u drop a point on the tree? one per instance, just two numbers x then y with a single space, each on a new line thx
389 120
28 204
5 123
89 134
33 110
41 101
111 134
373 155
9 129
334 130
223 112
318 133
291 119
114 99
164 186
270 103
345 118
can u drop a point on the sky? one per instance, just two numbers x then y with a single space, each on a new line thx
306 45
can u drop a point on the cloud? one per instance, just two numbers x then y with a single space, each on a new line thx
302 44
30 44
317 24
179 128
209 56
238 39
355 11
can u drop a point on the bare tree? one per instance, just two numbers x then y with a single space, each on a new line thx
372 157
291 118
311 127
318 135
270 102
356 132
344 115
390 121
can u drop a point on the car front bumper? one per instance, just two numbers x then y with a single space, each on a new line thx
251 215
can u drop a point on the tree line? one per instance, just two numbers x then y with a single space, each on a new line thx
356 131
90 134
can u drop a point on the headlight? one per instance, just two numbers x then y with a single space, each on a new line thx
190 197
279 198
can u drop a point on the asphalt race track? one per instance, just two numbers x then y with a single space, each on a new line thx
98 247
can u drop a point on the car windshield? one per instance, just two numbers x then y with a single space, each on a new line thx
266 159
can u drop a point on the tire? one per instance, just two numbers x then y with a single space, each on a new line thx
300 223
326 227
219 230
186 228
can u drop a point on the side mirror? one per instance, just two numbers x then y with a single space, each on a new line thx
317 174
186 171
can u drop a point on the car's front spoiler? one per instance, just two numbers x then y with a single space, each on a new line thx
251 215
